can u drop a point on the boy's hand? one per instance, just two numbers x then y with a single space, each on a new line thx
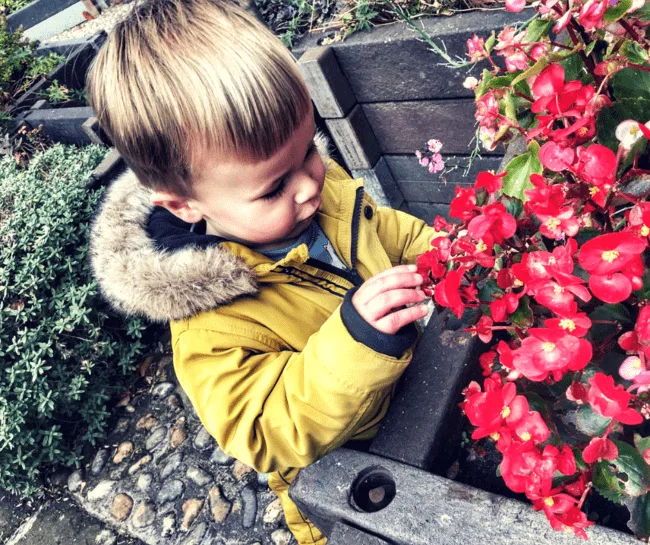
380 300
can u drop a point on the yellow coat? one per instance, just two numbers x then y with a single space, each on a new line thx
274 374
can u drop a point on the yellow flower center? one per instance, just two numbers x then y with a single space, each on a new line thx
548 347
609 255
496 435
645 231
525 436
551 260
553 223
567 324
593 190
481 246
505 412
636 363
558 289
582 131
635 129
518 283
549 502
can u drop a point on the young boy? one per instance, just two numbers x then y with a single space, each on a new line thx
286 287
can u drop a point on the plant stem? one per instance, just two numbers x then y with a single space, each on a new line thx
628 28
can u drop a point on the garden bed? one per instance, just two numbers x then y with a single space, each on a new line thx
417 444
384 93
42 19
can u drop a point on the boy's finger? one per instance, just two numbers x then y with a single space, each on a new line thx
385 302
375 286
394 321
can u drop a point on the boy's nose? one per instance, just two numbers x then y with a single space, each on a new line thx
308 189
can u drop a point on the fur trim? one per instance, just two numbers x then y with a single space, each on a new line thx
139 279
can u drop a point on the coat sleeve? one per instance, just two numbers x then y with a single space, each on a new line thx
274 409
403 236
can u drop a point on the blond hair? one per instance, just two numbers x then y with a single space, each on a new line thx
179 78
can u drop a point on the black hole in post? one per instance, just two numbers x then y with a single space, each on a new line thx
373 489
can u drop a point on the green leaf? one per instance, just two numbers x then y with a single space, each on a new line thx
637 109
611 313
534 70
538 28
590 48
511 108
643 12
631 464
639 522
631 84
500 81
616 12
514 206
519 170
644 292
606 482
490 42
591 423
489 290
634 52
641 443
485 79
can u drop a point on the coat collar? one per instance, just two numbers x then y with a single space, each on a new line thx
183 273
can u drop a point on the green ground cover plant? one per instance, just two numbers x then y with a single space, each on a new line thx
9 6
63 354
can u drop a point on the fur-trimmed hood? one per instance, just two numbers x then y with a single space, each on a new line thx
139 277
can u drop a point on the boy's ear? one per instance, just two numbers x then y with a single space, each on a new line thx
181 207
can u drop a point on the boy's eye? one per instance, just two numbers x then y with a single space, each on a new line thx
276 192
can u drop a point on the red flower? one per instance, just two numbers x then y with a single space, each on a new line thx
596 165
494 224
577 392
550 352
490 181
484 329
476 49
611 401
463 206
490 410
486 361
573 520
551 93
504 305
447 292
556 158
531 427
573 322
591 14
599 448
544 199
487 110
604 256
560 224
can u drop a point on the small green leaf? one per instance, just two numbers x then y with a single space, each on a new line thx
591 423
606 483
590 48
511 108
500 81
639 522
613 312
641 443
616 12
632 464
634 52
519 170
490 42
537 29
485 79
631 84
514 206
534 70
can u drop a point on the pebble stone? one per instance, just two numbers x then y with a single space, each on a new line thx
171 490
74 481
263 479
156 437
140 464
121 507
144 481
102 490
273 512
124 450
168 525
144 515
239 470
106 537
122 425
163 389
174 402
191 509
99 461
198 476
281 537
203 440
219 457
219 506
147 422
172 464
249 498
178 436
195 537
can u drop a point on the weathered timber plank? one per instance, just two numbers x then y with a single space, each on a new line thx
403 127
407 168
427 211
355 140
391 63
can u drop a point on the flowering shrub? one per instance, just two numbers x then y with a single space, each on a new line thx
552 255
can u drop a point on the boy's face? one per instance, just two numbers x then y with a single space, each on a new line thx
261 204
